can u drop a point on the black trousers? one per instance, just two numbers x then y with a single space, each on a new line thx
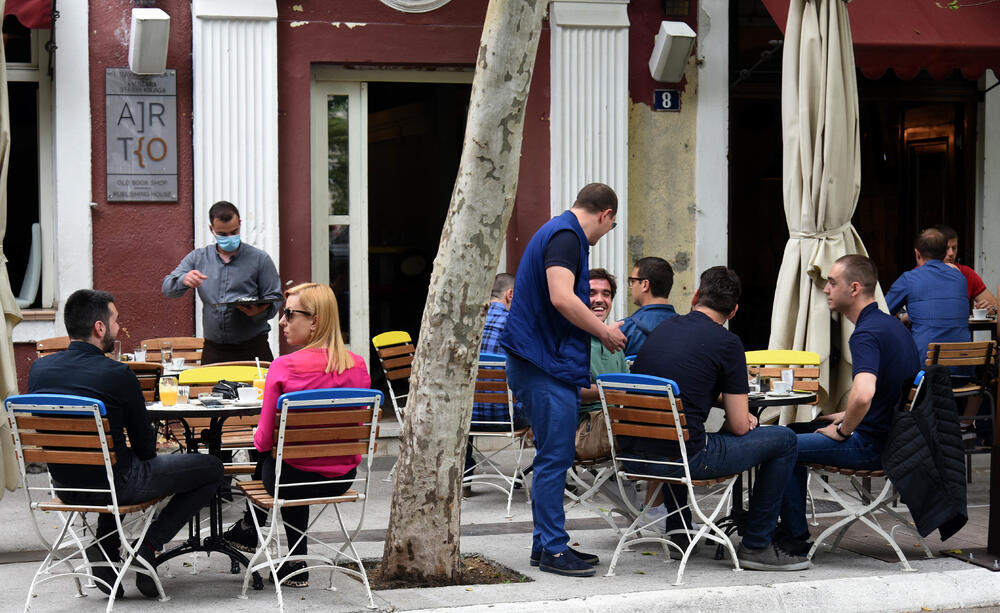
256 347
297 518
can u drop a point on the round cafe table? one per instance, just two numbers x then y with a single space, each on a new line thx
212 439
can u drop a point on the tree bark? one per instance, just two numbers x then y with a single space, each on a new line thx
422 541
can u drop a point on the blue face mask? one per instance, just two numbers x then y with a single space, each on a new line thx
228 243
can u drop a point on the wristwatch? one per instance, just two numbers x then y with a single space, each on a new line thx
841 434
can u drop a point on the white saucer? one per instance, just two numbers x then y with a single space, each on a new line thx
976 319
247 403
779 394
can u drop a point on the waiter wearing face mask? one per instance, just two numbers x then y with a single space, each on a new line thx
226 272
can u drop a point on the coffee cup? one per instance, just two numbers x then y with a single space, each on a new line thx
249 394
782 387
979 313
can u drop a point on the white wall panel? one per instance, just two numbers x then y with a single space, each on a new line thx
589 113
234 61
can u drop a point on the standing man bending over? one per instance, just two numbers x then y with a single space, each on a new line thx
884 358
547 340
83 370
650 284
225 272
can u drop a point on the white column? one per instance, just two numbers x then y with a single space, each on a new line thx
589 116
712 136
234 59
987 259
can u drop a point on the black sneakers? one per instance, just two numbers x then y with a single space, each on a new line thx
795 545
587 558
241 538
772 557
565 563
143 582
105 574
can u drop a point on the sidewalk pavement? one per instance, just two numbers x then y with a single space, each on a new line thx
841 581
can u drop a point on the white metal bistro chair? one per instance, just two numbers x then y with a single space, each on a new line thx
307 423
861 503
643 406
395 352
491 387
63 429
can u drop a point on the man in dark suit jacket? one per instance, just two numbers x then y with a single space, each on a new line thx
83 370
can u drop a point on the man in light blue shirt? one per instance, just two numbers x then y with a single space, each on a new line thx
226 272
935 295
650 284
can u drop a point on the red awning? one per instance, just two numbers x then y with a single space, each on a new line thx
34 14
913 35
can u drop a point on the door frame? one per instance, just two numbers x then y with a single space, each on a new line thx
340 80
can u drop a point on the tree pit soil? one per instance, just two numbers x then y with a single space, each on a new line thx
476 570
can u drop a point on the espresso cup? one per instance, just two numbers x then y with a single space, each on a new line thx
248 394
782 387
979 313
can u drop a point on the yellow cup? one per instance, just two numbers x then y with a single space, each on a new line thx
259 384
168 391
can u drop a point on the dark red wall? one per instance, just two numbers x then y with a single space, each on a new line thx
446 37
136 244
644 18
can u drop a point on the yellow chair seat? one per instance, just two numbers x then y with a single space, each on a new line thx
210 375
783 356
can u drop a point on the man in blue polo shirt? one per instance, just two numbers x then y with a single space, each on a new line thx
650 284
706 360
935 295
884 358
547 339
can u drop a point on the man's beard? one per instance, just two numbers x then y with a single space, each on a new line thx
107 342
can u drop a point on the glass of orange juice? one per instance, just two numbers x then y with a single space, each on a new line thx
259 384
168 391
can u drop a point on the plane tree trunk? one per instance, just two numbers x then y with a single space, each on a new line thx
422 541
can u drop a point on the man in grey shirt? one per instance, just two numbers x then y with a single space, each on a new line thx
229 271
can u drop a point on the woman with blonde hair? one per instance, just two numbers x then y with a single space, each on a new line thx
310 320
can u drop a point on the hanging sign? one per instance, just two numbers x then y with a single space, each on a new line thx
141 127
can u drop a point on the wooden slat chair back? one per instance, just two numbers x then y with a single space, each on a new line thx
213 373
491 387
644 406
148 374
983 356
316 424
187 347
395 354
74 430
863 507
48 346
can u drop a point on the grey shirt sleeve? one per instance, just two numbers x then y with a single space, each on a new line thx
173 284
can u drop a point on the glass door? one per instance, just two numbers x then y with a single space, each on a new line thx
340 202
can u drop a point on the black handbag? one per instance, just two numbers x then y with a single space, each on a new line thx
228 388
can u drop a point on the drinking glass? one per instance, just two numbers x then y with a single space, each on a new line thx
166 354
168 391
183 394
140 354
116 352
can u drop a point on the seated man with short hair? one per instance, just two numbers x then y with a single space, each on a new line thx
83 370
703 358
650 284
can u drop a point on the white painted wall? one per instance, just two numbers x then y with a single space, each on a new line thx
712 137
987 259
72 168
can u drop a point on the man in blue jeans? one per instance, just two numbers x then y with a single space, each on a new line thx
704 359
884 358
83 370
547 339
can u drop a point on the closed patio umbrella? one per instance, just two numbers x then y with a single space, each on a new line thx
821 182
11 313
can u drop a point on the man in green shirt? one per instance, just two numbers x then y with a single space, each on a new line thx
602 291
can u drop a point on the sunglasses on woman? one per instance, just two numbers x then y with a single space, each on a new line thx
288 313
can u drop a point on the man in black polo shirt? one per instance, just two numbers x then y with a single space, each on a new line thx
705 360
884 358
83 370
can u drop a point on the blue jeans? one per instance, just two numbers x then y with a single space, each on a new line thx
814 448
192 478
551 408
771 448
